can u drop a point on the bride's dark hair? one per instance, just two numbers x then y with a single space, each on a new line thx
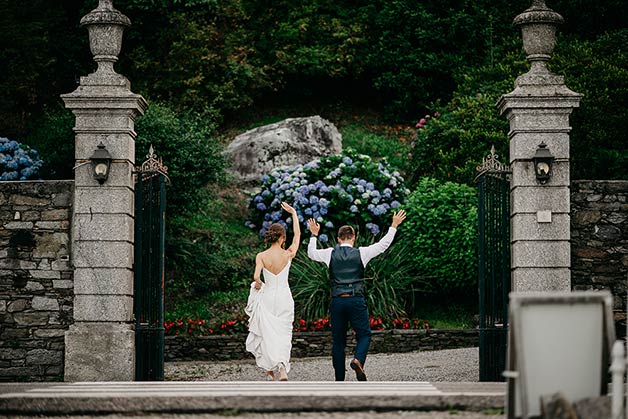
274 233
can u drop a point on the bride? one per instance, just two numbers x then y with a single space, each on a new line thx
270 305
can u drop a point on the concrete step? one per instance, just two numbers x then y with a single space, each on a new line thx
246 396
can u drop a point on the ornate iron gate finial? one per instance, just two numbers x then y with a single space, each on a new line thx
490 163
153 165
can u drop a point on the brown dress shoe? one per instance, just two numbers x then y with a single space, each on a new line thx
359 371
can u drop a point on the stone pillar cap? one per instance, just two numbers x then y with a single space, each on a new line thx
105 13
538 13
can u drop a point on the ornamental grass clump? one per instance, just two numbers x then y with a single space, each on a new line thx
17 161
335 190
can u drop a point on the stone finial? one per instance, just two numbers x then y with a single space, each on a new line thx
105 26
538 28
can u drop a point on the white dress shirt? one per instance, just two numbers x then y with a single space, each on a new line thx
366 252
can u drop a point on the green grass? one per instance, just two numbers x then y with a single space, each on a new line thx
376 141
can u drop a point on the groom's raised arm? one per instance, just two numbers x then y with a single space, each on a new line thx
318 255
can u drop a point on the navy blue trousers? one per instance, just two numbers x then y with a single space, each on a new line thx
345 310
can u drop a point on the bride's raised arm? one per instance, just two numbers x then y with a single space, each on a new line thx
297 229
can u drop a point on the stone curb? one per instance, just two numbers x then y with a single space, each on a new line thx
377 396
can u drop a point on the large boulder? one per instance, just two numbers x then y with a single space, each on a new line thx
285 143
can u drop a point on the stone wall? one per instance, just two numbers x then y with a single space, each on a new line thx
309 344
599 237
36 285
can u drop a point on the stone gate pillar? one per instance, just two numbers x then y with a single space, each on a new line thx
538 110
100 345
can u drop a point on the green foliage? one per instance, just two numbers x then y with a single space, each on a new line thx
194 54
599 70
442 230
53 137
184 141
450 146
41 51
312 38
390 284
419 47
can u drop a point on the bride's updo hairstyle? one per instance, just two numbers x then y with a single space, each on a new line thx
274 233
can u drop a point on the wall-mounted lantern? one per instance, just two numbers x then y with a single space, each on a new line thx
101 163
543 161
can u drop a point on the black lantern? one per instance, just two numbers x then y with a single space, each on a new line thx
543 160
101 162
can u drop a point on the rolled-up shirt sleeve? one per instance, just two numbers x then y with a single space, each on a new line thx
369 252
318 255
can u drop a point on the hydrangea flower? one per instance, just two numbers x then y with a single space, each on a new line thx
334 190
17 161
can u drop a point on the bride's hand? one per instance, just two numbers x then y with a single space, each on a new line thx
258 285
288 208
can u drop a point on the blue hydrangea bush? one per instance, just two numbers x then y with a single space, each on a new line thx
17 161
342 189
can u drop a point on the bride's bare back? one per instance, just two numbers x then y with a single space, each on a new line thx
275 259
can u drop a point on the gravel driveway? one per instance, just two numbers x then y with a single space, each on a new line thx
446 365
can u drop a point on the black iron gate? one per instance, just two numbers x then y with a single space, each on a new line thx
150 211
493 182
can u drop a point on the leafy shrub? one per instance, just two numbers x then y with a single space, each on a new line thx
18 162
339 189
184 141
451 146
442 231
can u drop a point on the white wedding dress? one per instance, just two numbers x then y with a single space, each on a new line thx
271 312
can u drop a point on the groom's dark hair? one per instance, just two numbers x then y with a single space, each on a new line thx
346 233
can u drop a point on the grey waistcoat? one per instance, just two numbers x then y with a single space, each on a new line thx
346 271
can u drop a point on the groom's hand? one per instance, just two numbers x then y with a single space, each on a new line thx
398 218
314 226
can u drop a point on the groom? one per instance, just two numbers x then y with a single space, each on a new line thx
348 304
